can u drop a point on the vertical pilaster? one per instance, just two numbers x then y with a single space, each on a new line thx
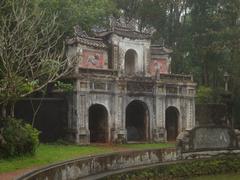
115 57
189 115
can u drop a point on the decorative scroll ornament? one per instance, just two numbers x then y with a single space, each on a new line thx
78 31
123 22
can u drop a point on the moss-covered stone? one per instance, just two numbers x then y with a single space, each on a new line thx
226 164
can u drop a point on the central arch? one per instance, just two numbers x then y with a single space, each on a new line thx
130 61
98 123
172 116
137 121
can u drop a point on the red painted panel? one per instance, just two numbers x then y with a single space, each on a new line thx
92 59
160 64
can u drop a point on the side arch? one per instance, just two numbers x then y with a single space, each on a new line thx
172 123
130 61
98 123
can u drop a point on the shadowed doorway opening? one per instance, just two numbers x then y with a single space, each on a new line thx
137 120
130 61
172 116
98 124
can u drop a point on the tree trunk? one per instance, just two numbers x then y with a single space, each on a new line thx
4 110
205 74
12 109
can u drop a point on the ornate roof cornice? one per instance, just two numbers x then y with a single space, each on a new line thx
81 37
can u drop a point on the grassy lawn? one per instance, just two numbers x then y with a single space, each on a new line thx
47 154
147 145
52 153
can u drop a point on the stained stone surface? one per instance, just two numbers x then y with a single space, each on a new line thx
207 141
206 138
126 69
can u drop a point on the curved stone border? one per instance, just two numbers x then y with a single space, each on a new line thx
206 154
183 169
83 168
130 169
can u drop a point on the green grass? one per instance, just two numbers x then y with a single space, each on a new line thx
52 153
147 145
47 154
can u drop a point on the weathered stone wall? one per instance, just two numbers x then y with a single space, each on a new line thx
206 141
88 57
116 95
86 167
142 48
128 79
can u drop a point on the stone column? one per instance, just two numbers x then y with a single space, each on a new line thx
120 131
159 129
189 111
72 122
80 116
192 113
115 56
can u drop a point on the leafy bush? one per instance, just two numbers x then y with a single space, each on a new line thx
204 95
185 170
66 87
17 138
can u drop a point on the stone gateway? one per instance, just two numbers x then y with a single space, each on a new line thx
124 89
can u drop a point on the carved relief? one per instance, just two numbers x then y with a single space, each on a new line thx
106 80
159 65
92 59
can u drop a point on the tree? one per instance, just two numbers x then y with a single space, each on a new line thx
86 13
29 59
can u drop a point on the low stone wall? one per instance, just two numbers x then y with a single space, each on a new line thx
184 169
207 141
84 168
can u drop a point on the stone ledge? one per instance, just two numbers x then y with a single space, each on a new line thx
89 166
207 154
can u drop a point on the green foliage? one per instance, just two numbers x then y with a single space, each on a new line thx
51 153
13 87
204 95
147 145
227 164
86 13
18 138
66 87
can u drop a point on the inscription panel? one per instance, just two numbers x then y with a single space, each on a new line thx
211 138
139 87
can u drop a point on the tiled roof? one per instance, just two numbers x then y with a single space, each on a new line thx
125 32
82 38
160 50
89 41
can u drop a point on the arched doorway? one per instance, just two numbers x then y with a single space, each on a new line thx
137 121
172 116
130 61
98 123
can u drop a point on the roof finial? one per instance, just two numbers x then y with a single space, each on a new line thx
78 31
